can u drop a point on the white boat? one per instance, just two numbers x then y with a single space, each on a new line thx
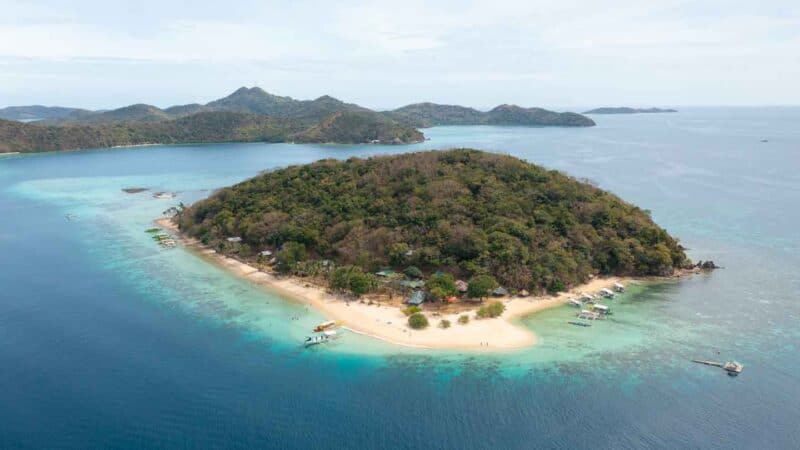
586 314
602 309
575 303
607 293
618 287
587 298
325 336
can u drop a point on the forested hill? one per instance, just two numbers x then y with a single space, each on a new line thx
464 212
432 114
204 127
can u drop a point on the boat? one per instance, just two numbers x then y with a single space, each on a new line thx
588 315
619 287
324 326
607 293
575 303
587 298
733 368
580 324
601 309
325 336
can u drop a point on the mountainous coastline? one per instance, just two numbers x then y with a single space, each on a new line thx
462 212
251 115
628 110
425 115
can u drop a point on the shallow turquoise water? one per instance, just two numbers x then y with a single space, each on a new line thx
109 340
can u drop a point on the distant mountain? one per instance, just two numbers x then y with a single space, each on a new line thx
432 114
627 110
212 126
38 112
255 100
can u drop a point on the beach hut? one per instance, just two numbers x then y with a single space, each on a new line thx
265 253
234 239
500 292
461 286
416 298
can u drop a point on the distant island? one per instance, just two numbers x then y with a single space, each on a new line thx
627 110
425 115
439 230
248 115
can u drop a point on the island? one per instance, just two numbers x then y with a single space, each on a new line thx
627 110
249 115
437 249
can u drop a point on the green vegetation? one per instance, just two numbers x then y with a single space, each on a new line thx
290 254
444 323
353 279
413 272
411 310
431 114
493 309
466 213
441 285
463 319
481 285
418 321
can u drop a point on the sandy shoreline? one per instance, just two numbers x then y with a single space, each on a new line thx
388 323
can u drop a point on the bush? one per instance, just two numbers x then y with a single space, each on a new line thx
494 309
441 285
480 286
463 320
289 255
411 310
556 286
444 323
413 272
417 321
353 279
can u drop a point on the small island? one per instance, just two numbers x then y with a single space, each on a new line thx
627 110
452 239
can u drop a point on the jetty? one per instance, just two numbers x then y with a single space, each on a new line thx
732 367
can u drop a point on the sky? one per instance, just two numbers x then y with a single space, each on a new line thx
565 53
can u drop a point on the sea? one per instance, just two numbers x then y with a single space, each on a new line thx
109 341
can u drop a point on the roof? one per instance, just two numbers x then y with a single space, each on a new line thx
416 298
413 284
500 291
235 239
462 285
385 273
266 253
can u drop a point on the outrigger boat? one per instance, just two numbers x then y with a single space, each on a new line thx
619 287
324 326
575 303
325 336
587 298
607 293
601 309
588 315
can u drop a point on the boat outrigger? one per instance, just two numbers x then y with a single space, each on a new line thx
580 324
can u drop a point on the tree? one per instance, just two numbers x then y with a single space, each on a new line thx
411 310
463 319
417 321
441 285
556 286
481 285
494 309
289 255
444 323
353 279
413 272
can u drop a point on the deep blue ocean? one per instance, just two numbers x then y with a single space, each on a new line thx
109 341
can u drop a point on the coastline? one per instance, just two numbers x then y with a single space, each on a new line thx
388 323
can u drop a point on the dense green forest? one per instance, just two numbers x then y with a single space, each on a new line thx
216 126
462 212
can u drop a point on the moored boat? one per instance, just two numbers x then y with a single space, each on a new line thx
324 326
607 293
575 303
619 287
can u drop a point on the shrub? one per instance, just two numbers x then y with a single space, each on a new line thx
411 310
494 309
556 286
441 285
289 255
444 323
413 272
481 285
417 321
463 320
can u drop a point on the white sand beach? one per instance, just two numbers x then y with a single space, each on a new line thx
388 323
